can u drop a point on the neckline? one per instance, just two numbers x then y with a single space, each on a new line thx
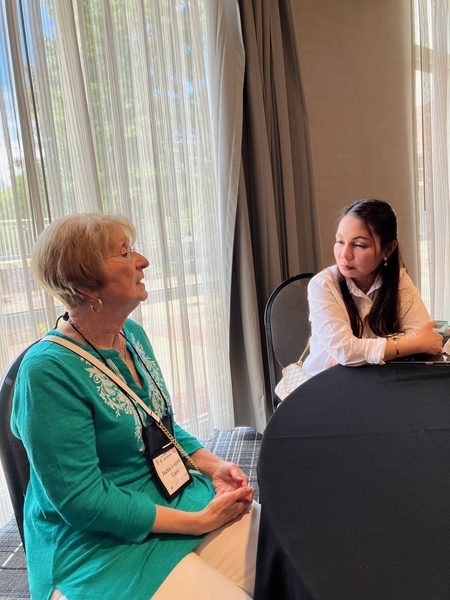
356 291
70 339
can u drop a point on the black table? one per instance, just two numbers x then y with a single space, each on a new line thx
354 481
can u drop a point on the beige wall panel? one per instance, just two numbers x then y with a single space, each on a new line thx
356 61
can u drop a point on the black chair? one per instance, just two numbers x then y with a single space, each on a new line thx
12 453
287 326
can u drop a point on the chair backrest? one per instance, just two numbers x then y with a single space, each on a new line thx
287 326
12 453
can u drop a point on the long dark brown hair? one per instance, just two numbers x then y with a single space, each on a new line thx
380 219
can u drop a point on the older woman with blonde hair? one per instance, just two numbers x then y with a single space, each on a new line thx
122 502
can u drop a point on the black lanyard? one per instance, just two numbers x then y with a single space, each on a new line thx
65 317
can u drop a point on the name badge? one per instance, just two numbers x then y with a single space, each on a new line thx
171 471
169 466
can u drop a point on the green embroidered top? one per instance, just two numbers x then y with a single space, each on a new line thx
90 503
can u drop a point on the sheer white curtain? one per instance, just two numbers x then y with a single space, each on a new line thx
432 39
106 105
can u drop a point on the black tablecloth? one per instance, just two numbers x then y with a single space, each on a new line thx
354 481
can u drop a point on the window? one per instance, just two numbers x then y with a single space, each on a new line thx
431 37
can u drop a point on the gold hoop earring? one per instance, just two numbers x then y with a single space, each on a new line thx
99 305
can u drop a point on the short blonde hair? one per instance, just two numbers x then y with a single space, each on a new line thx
70 253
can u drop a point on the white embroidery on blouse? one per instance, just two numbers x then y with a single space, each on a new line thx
113 397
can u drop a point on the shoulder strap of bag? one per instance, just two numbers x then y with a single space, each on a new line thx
97 363
300 360
121 384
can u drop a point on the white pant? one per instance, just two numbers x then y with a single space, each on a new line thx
222 567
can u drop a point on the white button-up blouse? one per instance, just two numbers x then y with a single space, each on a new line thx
332 338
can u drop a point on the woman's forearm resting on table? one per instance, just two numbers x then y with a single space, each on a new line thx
331 327
426 341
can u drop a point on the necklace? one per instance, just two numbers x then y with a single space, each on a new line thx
366 289
123 341
123 345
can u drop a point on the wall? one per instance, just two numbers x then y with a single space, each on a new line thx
356 61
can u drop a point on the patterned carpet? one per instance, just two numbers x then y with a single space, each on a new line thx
13 570
240 446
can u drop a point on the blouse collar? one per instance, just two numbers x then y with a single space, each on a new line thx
355 291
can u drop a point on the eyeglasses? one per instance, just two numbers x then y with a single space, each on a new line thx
127 254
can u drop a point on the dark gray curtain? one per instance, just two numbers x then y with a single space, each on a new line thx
276 224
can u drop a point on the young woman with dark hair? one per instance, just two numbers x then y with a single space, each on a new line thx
365 309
